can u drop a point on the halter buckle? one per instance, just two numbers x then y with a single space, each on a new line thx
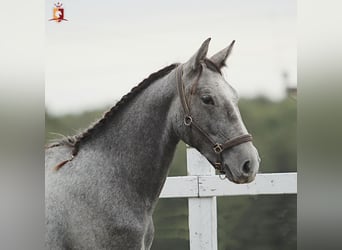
218 165
187 120
218 148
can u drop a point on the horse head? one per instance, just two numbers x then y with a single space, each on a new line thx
207 117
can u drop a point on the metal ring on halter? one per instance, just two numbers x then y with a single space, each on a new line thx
218 148
218 166
187 120
223 177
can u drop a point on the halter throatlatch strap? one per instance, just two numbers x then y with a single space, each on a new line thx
189 122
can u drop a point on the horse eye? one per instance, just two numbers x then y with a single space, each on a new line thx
207 99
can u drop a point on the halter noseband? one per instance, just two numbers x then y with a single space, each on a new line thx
189 122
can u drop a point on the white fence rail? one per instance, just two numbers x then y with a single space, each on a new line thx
201 187
208 186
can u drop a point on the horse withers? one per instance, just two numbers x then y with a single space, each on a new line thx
102 185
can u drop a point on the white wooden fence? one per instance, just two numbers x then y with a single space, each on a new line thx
201 187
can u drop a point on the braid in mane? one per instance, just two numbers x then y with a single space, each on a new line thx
75 141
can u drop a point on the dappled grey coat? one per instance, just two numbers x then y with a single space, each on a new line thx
102 185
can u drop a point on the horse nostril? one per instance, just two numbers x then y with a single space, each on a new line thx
246 168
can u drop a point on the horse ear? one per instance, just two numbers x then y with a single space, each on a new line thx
220 57
195 61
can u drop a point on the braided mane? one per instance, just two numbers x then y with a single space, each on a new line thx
76 140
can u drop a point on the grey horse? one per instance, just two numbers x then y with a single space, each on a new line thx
103 184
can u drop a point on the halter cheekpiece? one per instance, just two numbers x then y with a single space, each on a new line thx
218 148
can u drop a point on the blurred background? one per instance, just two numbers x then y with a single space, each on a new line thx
103 50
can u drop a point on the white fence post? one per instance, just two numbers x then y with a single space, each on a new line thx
202 211
201 186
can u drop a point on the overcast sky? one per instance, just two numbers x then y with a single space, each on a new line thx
107 47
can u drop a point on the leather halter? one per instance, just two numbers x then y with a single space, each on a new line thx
218 148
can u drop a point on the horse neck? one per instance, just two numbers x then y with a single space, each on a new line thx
139 141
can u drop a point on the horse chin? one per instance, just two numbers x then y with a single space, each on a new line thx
239 181
244 180
231 178
229 175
